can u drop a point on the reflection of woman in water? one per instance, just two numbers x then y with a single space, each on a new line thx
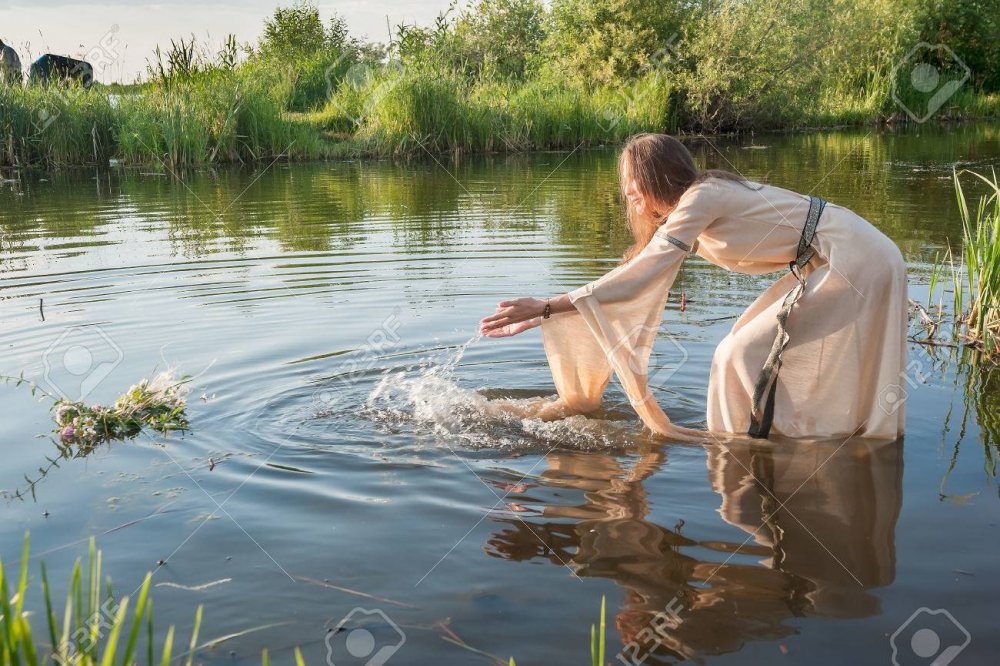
818 536
835 324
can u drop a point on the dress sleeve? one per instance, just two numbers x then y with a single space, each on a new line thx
618 316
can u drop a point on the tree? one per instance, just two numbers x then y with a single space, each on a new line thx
294 32
971 29
612 40
503 37
338 36
771 61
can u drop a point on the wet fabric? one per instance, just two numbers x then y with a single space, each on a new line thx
842 371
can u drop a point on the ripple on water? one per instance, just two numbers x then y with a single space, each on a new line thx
425 402
431 399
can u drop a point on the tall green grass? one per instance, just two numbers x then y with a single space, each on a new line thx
981 262
214 116
93 624
96 628
974 270
242 115
54 126
597 638
398 112
511 76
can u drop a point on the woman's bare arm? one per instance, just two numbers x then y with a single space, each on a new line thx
521 314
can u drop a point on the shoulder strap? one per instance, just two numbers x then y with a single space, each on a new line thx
805 251
762 409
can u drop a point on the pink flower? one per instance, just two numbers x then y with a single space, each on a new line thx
67 435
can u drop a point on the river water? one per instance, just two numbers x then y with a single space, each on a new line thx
344 468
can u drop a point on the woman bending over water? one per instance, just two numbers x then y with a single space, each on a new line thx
834 325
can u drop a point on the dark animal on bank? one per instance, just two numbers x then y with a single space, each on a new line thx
10 65
55 68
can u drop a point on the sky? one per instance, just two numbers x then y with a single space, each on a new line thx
117 36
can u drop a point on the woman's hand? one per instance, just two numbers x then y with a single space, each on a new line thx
511 329
513 317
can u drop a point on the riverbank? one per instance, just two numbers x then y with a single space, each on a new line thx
239 119
518 76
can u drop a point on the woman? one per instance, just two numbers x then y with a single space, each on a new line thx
834 324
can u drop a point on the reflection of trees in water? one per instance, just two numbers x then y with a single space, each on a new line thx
898 180
819 516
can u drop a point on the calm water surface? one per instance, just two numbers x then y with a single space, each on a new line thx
343 454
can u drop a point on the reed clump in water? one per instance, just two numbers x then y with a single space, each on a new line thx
92 626
219 116
94 623
975 272
54 126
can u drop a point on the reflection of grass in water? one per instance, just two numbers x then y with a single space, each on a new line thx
93 624
980 390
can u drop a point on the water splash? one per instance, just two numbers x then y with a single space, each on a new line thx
429 398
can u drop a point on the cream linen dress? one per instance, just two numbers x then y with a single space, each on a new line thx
841 373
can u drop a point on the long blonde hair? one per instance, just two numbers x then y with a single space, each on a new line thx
663 170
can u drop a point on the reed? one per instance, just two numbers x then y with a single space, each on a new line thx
597 638
397 112
974 270
93 627
210 117
54 126
981 259
96 628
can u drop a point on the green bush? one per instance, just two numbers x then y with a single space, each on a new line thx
971 29
779 63
610 41
315 77
424 108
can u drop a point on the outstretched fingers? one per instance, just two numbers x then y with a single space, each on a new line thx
496 317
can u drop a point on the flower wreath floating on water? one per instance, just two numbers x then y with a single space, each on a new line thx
158 404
